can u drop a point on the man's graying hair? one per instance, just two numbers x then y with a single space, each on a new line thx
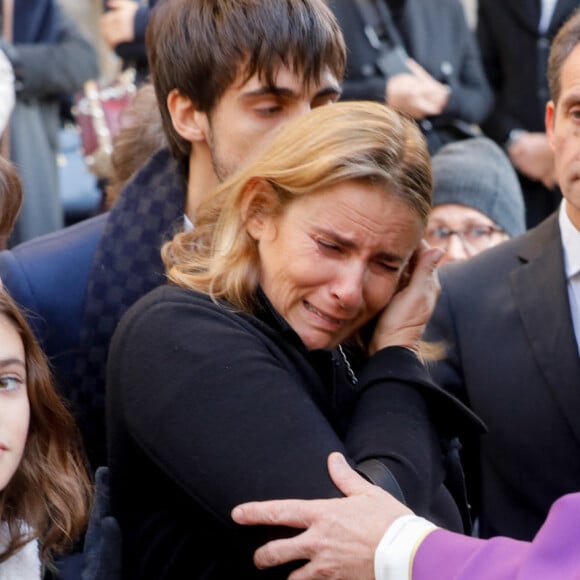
567 39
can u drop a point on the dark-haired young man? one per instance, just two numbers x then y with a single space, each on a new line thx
227 75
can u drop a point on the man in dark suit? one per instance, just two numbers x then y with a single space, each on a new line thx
76 284
514 38
418 56
510 318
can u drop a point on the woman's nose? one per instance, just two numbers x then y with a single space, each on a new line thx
348 285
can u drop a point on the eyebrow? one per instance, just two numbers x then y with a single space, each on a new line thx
5 362
387 256
285 92
571 99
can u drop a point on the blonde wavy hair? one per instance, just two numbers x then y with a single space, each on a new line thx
360 141
50 492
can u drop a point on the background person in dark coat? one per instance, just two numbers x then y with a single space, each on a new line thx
514 41
443 84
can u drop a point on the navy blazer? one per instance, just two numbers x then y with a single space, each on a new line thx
513 358
48 277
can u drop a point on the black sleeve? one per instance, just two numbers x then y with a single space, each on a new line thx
216 410
392 424
448 373
220 411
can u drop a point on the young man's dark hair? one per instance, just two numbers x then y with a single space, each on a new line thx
200 48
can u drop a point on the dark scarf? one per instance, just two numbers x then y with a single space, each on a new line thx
127 264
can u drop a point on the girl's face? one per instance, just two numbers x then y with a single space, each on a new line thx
14 405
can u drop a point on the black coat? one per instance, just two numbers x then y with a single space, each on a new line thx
515 58
208 407
439 39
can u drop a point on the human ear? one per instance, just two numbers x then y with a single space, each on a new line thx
258 203
550 119
191 124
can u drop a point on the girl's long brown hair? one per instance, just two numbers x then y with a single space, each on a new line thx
49 495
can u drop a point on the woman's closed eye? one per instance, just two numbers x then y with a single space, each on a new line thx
327 246
387 267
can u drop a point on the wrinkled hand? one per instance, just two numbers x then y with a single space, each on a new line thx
7 92
403 322
416 93
532 156
118 24
341 534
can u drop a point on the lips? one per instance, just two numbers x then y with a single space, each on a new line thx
325 317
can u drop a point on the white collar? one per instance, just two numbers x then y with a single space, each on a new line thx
570 243
24 564
187 224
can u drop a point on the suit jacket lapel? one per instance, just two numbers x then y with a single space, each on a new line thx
539 287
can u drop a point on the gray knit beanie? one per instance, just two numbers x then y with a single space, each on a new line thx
477 173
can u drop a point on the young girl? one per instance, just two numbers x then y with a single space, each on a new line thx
44 488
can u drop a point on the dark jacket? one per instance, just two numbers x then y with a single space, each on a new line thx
515 59
212 407
513 358
438 38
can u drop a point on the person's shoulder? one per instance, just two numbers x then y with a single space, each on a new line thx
80 238
169 304
57 258
174 308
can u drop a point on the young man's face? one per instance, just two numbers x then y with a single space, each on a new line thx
250 113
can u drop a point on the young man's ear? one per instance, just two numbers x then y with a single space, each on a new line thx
259 203
549 121
189 123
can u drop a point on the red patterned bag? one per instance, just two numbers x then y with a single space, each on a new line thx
98 112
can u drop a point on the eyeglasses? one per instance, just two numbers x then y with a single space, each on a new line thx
474 237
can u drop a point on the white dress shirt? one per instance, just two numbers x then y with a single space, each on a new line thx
571 248
546 15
